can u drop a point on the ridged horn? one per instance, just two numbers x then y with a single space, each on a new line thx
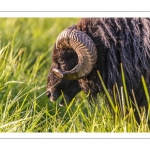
85 49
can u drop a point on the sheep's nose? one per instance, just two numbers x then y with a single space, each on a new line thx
48 94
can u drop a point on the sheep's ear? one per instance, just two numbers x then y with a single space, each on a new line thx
58 73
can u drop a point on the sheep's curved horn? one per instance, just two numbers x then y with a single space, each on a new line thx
85 49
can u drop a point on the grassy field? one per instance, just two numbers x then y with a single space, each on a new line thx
25 57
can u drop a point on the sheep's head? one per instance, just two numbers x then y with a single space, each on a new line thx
65 61
74 56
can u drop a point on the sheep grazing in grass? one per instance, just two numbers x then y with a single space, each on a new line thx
101 44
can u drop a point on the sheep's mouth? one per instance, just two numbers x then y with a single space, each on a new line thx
67 95
54 97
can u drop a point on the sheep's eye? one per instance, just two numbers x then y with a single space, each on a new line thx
61 61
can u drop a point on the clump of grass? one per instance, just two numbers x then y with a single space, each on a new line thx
25 56
124 108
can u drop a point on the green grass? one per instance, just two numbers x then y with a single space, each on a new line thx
25 57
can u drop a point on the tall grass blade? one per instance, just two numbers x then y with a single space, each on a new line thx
106 91
124 86
145 89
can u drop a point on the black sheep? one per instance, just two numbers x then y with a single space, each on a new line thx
101 44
